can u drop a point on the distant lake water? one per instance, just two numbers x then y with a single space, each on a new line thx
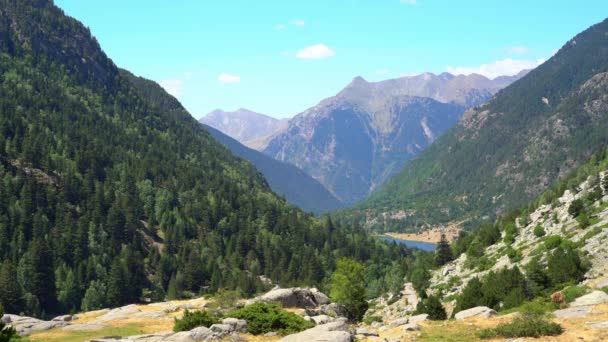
425 246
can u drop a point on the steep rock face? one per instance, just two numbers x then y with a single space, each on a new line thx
242 124
505 152
356 140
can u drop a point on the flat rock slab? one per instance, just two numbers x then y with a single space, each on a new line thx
336 331
598 325
579 311
479 311
593 298
419 318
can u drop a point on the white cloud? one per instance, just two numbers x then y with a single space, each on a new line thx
519 50
227 78
297 22
318 51
504 67
173 87
408 2
279 27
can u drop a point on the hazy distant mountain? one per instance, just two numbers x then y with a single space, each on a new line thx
285 179
356 140
242 124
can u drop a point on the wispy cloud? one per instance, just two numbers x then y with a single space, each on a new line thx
408 2
279 27
297 22
225 78
519 50
318 51
503 67
173 86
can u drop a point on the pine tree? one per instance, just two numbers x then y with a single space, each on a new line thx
10 291
470 297
443 254
433 307
348 288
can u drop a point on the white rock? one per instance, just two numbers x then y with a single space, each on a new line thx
593 298
479 311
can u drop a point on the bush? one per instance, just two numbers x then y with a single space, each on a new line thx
371 319
576 207
553 241
263 318
523 327
583 220
431 306
539 231
605 288
573 292
193 319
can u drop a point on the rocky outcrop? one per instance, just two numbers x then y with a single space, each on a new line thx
479 311
337 331
593 298
26 325
294 298
579 311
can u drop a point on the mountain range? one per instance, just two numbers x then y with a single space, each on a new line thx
356 140
244 125
505 152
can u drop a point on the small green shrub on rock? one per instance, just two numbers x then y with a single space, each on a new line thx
193 319
539 231
573 292
264 318
431 306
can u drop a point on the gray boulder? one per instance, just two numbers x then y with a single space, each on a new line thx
64 318
579 311
479 311
365 332
398 322
294 297
593 298
336 331
239 325
419 318
322 319
411 327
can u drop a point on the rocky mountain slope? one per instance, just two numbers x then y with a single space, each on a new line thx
356 140
505 152
242 124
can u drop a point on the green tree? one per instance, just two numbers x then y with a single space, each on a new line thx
348 288
576 207
565 265
10 291
470 297
95 296
443 253
433 307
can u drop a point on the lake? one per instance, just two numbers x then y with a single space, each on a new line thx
425 246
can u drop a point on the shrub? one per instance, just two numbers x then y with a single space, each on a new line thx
539 231
263 318
576 207
605 288
371 319
553 241
193 319
227 299
348 288
573 292
583 220
433 307
523 327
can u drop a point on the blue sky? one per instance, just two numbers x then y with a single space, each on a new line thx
281 57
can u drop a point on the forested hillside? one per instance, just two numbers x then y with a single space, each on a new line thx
504 153
112 195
